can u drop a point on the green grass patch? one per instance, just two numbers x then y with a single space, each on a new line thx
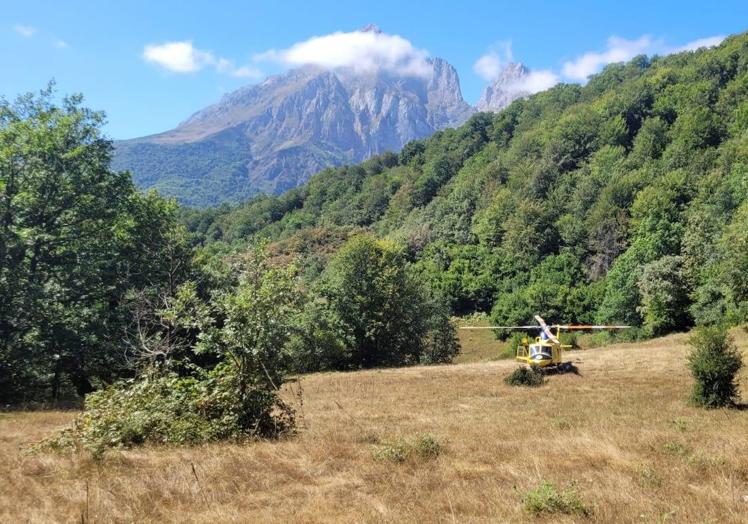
676 448
548 499
423 446
560 423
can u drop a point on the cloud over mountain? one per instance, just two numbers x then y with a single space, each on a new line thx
493 66
618 50
368 50
621 50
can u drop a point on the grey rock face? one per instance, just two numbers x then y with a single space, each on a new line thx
274 135
505 89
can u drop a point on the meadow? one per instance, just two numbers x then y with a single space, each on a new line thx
447 443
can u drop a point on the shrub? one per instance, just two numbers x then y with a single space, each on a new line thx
174 410
524 376
546 498
560 423
423 447
714 363
648 476
243 331
676 448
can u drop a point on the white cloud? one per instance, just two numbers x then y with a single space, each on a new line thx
619 50
247 72
493 61
60 43
498 57
178 57
24 30
364 51
622 50
488 66
183 57
709 41
534 82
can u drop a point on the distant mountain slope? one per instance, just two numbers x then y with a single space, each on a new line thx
273 136
622 200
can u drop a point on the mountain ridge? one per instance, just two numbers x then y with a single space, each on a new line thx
272 136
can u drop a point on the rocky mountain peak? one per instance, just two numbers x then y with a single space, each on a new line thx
272 136
371 28
505 89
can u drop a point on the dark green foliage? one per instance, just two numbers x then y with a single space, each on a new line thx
319 342
525 376
664 292
714 363
75 238
373 311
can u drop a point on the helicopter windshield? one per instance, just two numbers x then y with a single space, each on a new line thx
539 351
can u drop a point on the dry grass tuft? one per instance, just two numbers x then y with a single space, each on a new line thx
615 430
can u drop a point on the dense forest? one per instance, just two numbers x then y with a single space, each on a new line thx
622 200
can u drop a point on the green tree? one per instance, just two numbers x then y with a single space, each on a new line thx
664 292
385 310
74 238
255 323
734 264
714 364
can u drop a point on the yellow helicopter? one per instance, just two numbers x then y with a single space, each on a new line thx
545 350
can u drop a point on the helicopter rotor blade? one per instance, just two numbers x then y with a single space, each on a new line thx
547 330
499 327
586 327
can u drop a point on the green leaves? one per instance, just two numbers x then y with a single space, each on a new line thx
372 310
714 364
256 320
74 238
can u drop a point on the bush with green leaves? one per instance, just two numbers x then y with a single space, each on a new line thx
423 446
169 409
714 363
173 400
531 376
548 499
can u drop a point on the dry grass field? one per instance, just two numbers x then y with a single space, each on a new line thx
621 432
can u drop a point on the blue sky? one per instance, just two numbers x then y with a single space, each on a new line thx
149 65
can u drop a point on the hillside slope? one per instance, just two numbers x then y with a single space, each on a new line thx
621 200
621 431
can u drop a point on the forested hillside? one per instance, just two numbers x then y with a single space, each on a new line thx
621 200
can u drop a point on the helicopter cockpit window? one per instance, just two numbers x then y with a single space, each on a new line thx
539 350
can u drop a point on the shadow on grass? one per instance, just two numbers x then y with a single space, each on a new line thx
563 369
